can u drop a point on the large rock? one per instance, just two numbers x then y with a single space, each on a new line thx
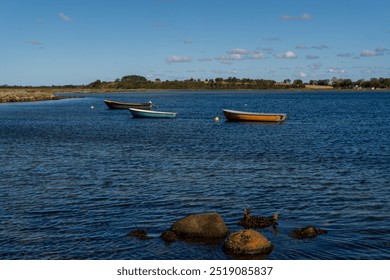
201 226
247 242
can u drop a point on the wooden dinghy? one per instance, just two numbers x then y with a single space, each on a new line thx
232 115
125 105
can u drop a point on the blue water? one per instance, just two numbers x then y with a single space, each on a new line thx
74 181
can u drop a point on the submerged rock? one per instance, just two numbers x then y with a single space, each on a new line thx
168 236
249 221
247 242
139 233
306 232
205 226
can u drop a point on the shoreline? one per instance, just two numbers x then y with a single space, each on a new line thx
9 95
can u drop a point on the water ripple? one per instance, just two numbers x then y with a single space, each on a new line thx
78 180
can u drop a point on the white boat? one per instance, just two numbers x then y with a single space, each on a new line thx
140 113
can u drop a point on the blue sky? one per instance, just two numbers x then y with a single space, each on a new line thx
58 42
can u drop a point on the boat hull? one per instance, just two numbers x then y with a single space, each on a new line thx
140 113
238 116
124 105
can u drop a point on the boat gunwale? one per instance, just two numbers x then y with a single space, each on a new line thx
153 112
253 113
128 103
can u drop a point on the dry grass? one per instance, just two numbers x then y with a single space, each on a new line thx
25 95
318 87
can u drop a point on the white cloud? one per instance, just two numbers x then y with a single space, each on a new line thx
257 55
287 55
233 56
302 75
239 51
178 59
239 54
367 53
305 16
376 52
336 70
64 17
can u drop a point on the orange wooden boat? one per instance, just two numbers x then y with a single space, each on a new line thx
237 116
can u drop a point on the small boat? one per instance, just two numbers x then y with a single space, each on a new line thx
140 113
232 115
124 105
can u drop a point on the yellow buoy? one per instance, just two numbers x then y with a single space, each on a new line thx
216 119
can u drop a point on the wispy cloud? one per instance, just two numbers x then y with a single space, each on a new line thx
64 17
34 43
204 59
305 16
336 70
376 52
302 74
239 51
315 66
301 47
287 55
344 54
239 54
320 47
230 57
178 59
256 55
273 39
312 57
268 50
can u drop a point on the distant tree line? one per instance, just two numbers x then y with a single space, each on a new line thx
382 83
140 82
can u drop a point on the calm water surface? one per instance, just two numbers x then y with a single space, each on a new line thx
75 181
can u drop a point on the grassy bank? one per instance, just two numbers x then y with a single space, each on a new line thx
25 95
42 94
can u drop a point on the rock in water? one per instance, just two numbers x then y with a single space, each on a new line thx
168 236
139 233
306 232
247 242
201 226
